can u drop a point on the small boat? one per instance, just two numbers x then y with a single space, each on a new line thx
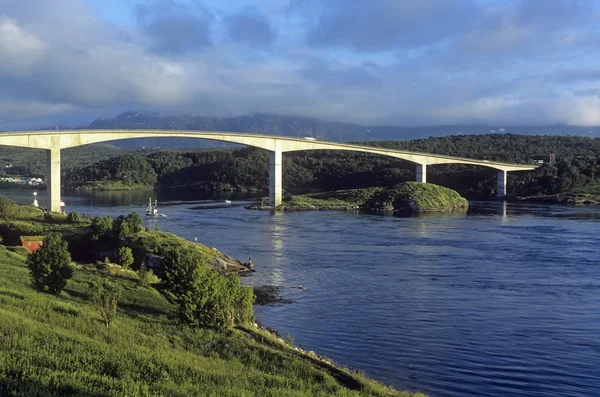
227 201
152 210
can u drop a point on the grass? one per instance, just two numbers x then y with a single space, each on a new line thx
418 197
58 346
334 200
111 185
586 195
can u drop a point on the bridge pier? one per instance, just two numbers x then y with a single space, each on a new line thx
502 177
275 177
422 173
53 178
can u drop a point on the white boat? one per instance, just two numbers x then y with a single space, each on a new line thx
152 210
227 201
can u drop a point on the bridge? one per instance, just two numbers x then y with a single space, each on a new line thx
54 141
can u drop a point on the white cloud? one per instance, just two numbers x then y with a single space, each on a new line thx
502 65
18 49
12 110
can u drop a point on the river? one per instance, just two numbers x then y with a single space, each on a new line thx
501 301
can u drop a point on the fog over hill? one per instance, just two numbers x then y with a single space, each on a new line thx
270 124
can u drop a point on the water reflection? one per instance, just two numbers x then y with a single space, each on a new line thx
277 231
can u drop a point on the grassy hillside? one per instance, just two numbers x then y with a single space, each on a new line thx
58 346
418 197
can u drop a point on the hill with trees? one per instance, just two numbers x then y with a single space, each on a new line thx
568 164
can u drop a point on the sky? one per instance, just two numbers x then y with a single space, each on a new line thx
372 62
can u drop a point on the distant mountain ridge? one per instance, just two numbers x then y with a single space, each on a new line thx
268 124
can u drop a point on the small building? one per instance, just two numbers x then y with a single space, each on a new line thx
32 243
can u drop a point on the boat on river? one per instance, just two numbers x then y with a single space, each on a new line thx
152 210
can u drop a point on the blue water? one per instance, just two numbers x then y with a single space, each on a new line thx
502 301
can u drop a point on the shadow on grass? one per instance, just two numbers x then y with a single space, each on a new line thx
16 386
345 379
135 310
12 295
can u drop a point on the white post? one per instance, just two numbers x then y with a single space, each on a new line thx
502 177
275 177
422 173
53 176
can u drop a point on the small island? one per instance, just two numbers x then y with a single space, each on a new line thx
407 197
417 197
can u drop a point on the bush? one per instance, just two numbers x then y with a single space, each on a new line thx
125 225
101 226
205 297
73 217
105 294
125 257
50 266
145 275
8 208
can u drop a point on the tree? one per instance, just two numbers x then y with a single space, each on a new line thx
205 297
125 257
125 225
50 266
73 217
101 226
8 208
105 294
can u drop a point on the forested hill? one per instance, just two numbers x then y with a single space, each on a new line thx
270 124
575 166
501 147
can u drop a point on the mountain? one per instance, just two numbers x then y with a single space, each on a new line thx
268 124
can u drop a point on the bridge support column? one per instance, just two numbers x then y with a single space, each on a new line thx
53 176
275 177
502 177
422 173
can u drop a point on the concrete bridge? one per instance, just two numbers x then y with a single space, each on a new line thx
54 141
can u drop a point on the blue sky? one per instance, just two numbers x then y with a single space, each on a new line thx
410 62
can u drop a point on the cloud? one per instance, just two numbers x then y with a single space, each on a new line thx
250 27
18 49
11 110
175 28
417 62
385 24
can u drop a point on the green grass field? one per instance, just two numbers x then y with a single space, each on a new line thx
58 346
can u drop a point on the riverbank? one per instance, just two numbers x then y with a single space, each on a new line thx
587 196
57 344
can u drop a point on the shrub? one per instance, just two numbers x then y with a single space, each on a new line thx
125 257
50 266
73 217
8 208
101 226
125 225
105 294
145 275
205 297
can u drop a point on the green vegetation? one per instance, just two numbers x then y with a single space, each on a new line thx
125 257
406 197
61 345
127 171
572 174
105 294
50 266
204 297
335 200
576 167
417 197
30 162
